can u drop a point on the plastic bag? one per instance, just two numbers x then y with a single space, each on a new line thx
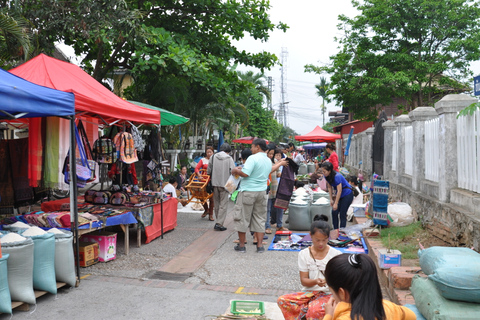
355 231
401 214
232 183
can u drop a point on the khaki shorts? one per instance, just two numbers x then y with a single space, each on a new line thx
250 211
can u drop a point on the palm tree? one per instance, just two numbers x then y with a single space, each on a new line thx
322 89
257 81
14 38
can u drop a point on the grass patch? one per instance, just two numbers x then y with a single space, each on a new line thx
404 239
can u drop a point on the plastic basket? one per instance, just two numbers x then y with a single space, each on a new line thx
247 307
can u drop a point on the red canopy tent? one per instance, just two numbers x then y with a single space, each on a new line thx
247 140
318 135
91 97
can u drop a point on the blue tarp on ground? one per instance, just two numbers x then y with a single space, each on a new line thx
24 99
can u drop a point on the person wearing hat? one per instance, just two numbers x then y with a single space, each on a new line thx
300 158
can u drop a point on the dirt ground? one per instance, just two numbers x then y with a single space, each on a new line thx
427 240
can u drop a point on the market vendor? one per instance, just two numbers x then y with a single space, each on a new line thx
310 302
171 187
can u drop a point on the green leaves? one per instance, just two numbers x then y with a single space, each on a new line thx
410 49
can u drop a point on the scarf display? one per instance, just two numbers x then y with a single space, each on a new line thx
52 144
35 154
286 184
23 192
7 200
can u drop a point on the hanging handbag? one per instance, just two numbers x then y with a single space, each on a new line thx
209 187
84 173
92 165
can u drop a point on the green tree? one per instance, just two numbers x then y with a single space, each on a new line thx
410 49
255 80
15 40
191 38
322 91
329 126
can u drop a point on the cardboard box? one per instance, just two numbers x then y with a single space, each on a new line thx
107 243
88 252
388 259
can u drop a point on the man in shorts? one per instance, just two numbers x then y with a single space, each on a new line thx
251 204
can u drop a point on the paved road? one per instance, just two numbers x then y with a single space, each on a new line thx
125 288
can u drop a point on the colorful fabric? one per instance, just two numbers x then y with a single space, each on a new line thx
286 184
23 193
6 185
308 304
52 144
35 154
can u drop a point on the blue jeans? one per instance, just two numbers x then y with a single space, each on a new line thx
276 214
342 209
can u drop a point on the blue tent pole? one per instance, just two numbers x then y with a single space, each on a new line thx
349 141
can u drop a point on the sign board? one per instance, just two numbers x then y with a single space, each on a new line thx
476 85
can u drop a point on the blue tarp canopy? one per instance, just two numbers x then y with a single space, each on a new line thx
20 98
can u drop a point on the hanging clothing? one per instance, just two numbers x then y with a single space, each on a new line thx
23 193
35 155
129 174
286 184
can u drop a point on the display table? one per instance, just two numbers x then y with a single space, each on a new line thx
148 217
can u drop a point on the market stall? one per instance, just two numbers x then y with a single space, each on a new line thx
318 135
19 100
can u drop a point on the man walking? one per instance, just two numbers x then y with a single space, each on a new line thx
219 168
251 204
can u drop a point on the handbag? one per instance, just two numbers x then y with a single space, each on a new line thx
92 165
209 187
119 198
84 173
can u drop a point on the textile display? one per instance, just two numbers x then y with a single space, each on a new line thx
380 203
44 262
6 185
5 299
286 184
52 147
64 258
36 134
20 270
23 193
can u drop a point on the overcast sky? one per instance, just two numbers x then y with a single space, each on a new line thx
310 40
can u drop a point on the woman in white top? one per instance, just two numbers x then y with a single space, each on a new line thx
310 302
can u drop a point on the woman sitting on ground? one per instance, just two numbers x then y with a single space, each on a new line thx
312 261
358 199
353 281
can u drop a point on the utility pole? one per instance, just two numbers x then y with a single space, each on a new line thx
283 92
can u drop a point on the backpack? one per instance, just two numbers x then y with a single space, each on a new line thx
125 147
104 150
137 138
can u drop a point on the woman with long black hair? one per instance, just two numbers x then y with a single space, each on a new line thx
341 197
356 292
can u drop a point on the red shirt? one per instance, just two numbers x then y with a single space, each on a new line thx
333 159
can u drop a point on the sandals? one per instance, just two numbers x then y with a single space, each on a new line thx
255 242
204 214
211 218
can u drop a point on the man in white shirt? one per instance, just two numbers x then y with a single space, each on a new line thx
300 158
171 187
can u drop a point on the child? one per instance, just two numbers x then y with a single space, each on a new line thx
310 302
358 199
171 187
353 281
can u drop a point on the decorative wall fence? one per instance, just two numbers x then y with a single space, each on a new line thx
432 160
